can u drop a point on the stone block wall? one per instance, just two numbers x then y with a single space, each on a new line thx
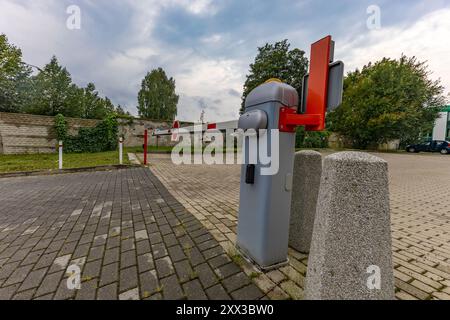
133 132
25 133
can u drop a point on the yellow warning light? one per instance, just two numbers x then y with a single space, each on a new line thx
273 80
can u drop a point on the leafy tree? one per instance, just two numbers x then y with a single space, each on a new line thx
14 76
107 108
390 99
50 92
54 92
157 98
276 61
120 111
93 106
89 101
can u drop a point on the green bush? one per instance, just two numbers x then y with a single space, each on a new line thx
306 139
100 138
61 127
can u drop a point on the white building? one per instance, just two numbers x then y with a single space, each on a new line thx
441 129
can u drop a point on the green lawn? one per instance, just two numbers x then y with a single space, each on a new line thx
34 162
150 149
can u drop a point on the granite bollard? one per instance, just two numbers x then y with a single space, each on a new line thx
351 254
307 173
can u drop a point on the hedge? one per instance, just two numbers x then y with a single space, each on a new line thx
102 137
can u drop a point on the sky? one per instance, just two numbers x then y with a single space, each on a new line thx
207 45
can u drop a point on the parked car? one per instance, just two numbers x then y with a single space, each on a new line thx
432 146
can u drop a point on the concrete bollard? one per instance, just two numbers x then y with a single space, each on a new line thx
351 254
307 173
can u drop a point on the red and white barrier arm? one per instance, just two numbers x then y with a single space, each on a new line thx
221 126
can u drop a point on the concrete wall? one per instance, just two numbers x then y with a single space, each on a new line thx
25 133
391 145
133 132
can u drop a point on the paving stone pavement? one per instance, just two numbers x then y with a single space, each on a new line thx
131 238
420 217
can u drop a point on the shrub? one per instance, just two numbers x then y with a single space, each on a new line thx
102 137
306 139
61 127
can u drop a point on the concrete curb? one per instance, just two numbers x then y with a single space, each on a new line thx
133 158
65 171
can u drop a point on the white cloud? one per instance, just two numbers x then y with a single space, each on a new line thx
215 38
199 6
117 63
209 81
39 29
427 39
141 53
32 27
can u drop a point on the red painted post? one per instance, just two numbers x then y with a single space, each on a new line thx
145 146
316 105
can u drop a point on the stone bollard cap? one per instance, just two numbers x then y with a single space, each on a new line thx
354 156
308 153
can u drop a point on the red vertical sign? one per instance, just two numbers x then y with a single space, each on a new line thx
316 104
318 81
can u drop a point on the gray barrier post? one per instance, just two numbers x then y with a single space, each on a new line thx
265 195
351 254
305 190
265 198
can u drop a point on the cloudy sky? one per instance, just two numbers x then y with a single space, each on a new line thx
207 45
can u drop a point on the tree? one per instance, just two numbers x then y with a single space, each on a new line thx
14 76
54 92
276 61
93 106
120 111
105 109
157 98
89 100
50 92
391 99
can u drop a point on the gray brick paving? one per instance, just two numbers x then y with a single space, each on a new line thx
149 283
420 222
194 290
108 292
130 237
249 292
217 292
